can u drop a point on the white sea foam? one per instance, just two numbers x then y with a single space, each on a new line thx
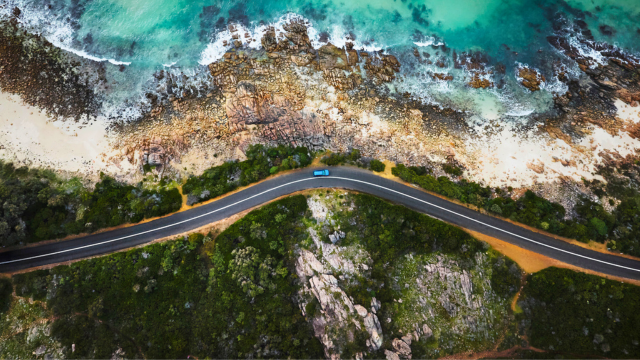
554 86
514 106
339 37
430 41
58 31
588 52
85 55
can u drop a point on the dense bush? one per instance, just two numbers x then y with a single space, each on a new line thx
581 315
261 162
451 169
529 209
37 205
505 277
5 294
32 284
390 230
622 181
377 165
627 230
353 158
191 296
593 222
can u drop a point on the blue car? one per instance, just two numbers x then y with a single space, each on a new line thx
321 172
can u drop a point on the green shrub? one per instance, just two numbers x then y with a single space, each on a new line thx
6 289
33 284
505 276
581 315
261 162
453 170
182 297
377 165
334 159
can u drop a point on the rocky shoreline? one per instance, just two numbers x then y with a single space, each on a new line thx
44 76
340 99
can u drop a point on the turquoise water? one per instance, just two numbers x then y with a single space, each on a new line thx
148 35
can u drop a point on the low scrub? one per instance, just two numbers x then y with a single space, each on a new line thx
353 158
581 316
38 205
261 162
592 222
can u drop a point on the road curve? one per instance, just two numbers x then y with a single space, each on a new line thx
341 177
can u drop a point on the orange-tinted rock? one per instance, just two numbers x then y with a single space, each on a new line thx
530 78
478 82
382 67
439 76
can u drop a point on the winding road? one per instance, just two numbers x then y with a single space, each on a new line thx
341 177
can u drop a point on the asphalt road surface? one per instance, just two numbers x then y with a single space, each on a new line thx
341 177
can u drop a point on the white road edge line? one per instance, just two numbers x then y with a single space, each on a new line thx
314 178
156 229
491 226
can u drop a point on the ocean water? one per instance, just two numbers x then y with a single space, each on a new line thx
136 38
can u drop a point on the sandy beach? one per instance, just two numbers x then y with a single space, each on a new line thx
30 137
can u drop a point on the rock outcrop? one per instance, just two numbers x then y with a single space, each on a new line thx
402 348
338 318
480 80
372 325
530 78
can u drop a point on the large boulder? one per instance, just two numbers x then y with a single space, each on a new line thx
390 355
401 348
334 302
269 41
308 265
372 325
332 57
530 78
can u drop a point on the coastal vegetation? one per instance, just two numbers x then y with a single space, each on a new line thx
241 293
261 162
592 221
231 294
39 205
195 295
353 158
580 315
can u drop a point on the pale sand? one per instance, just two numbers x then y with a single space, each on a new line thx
627 112
29 137
501 159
